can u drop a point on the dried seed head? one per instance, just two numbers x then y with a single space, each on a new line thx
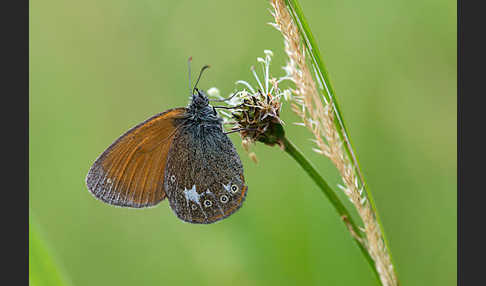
257 116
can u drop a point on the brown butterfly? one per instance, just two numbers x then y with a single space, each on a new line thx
182 154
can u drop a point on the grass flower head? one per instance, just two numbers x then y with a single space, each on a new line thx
256 109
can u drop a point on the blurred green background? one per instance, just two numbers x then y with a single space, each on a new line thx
97 68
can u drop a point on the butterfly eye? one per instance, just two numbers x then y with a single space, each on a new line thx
224 199
234 188
208 203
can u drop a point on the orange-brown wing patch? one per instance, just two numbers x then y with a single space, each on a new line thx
131 171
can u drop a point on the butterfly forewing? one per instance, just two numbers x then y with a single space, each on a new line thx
131 171
204 175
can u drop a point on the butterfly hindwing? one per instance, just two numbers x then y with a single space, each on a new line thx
204 175
131 171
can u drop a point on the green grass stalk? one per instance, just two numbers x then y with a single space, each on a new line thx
309 168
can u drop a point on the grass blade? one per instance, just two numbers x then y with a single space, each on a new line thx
43 271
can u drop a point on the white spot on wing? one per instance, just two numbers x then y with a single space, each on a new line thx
227 187
192 195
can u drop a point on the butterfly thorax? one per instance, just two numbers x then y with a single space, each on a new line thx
200 112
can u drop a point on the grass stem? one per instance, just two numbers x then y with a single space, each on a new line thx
299 157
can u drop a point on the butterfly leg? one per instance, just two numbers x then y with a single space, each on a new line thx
240 129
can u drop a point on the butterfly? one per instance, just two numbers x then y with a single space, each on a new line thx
181 154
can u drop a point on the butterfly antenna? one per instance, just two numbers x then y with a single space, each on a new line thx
199 77
189 69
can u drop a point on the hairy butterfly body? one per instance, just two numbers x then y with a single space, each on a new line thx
181 154
204 175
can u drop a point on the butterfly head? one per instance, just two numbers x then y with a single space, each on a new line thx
199 99
199 108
